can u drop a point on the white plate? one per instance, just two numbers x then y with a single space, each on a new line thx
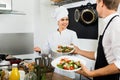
55 50
57 61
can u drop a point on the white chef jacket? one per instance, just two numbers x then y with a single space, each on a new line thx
66 37
111 40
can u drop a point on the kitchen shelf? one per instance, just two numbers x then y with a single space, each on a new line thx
12 12
63 2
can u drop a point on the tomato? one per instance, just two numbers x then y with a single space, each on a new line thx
71 67
65 68
68 61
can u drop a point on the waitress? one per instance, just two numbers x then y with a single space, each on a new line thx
107 66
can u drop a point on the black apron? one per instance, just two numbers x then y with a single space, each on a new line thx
101 60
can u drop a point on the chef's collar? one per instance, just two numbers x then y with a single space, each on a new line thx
62 31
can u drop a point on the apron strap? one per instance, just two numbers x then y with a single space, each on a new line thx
109 23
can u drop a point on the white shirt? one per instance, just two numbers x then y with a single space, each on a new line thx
111 40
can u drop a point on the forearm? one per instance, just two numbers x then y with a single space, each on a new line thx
110 69
88 54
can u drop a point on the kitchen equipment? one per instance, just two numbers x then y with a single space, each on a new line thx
77 15
3 56
16 43
16 60
88 15
44 68
5 6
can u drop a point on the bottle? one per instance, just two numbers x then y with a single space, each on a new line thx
14 75
22 74
5 73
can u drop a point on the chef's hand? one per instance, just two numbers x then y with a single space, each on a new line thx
84 71
76 51
37 49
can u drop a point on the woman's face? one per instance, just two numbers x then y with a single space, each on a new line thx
63 22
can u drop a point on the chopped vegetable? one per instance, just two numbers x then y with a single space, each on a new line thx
68 64
64 49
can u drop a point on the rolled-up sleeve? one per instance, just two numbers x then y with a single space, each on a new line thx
116 43
117 56
117 63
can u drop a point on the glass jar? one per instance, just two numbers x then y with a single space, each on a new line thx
30 76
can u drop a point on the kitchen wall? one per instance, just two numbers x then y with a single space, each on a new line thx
18 22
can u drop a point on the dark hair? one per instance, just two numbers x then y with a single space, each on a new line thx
111 4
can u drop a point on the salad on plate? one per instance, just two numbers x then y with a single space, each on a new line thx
68 63
65 49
